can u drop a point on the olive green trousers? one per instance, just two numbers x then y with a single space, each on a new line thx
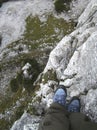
57 118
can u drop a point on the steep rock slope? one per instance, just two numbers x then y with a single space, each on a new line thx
74 60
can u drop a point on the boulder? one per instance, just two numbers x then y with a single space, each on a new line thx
26 122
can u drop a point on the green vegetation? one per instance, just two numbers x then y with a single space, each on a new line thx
0 67
21 81
37 36
49 75
14 85
4 124
49 32
62 5
9 103
16 90
15 103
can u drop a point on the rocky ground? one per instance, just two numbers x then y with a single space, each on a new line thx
73 62
28 32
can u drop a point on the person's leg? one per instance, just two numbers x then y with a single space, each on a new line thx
56 117
79 121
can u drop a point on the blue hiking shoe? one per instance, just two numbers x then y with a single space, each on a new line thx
74 105
60 95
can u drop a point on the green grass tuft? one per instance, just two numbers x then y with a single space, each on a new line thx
49 75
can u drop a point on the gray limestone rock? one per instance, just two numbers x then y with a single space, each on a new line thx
90 104
75 61
26 122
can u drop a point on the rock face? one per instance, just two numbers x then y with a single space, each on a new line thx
26 122
75 61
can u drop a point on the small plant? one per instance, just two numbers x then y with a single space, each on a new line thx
19 111
4 124
14 85
49 75
27 82
62 5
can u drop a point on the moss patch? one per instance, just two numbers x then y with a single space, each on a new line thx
15 104
39 38
16 92
21 81
4 124
62 5
49 32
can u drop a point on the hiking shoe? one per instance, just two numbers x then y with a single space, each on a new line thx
60 95
74 105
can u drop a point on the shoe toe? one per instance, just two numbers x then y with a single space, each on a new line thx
74 106
60 96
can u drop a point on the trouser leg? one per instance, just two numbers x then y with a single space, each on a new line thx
79 121
56 118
